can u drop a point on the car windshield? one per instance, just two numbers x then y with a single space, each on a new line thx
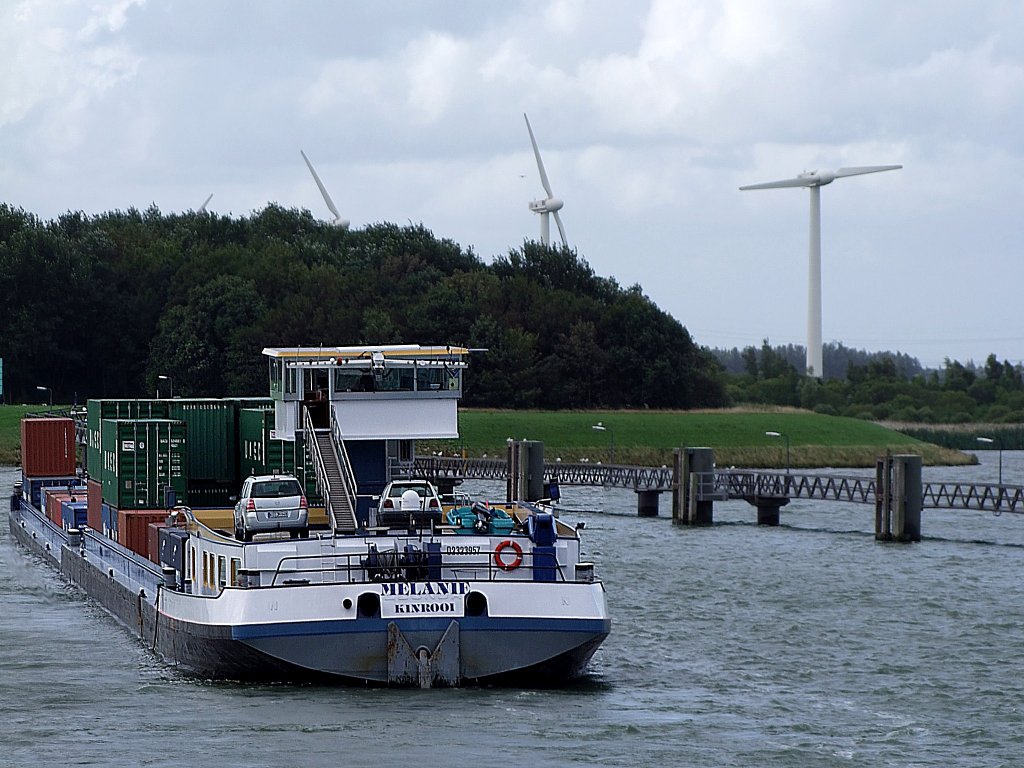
275 489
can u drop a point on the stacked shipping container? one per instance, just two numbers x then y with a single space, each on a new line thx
140 459
262 454
212 449
133 528
48 447
94 506
99 410
48 462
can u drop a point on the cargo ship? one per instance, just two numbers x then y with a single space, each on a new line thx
485 593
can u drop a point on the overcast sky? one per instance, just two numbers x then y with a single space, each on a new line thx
649 116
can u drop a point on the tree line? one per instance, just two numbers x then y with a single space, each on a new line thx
836 359
102 306
885 387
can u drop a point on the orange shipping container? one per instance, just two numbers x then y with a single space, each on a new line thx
153 552
48 447
133 528
52 504
94 512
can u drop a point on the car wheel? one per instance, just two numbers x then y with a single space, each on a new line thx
247 536
304 533
239 535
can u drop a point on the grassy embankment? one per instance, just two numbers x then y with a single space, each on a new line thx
648 437
10 431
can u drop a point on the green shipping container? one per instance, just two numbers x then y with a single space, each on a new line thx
209 493
141 458
262 455
212 438
254 403
98 410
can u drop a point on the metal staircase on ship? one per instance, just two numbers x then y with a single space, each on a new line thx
334 475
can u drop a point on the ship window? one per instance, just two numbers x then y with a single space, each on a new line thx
291 380
222 571
276 384
206 569
235 563
428 379
347 379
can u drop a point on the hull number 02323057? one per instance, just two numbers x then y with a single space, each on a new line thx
462 549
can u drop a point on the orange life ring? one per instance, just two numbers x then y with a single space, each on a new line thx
501 548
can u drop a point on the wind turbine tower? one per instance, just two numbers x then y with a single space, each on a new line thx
815 180
549 206
337 220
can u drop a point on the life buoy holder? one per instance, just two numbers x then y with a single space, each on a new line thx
516 561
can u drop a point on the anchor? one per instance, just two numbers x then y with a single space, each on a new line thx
421 666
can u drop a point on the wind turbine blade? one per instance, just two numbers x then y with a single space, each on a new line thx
561 229
858 170
540 163
797 182
202 208
323 189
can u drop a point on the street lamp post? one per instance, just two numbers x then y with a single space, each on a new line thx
600 427
785 437
170 381
49 392
999 445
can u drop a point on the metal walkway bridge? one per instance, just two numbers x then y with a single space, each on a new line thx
725 484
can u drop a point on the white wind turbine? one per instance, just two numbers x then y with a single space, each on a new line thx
337 220
815 180
202 208
550 204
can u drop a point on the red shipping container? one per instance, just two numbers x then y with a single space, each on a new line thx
48 447
153 553
133 528
94 512
52 504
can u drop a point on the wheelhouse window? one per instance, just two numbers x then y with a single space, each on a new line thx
276 377
428 379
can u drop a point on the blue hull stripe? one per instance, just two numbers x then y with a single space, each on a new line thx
466 624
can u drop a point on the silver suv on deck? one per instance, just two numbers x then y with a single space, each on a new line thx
271 503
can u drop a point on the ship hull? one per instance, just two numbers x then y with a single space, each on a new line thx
230 637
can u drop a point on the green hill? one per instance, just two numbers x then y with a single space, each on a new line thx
649 437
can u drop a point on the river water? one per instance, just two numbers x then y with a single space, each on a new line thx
809 644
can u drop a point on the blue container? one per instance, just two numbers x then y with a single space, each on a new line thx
73 514
34 486
545 564
109 517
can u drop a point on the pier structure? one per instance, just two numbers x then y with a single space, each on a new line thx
896 489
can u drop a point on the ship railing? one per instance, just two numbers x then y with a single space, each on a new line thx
121 559
318 465
388 566
401 469
348 475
